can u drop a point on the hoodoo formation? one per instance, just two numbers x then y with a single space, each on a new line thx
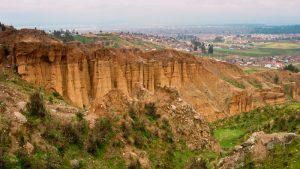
85 73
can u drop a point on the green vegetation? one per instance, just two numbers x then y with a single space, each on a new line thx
36 105
2 107
57 142
268 119
249 71
292 68
151 111
10 79
282 118
276 79
234 83
100 136
61 141
228 137
110 40
288 91
115 41
85 40
65 36
255 83
263 49
162 150
283 157
2 27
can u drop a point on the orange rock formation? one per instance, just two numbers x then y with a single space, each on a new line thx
84 73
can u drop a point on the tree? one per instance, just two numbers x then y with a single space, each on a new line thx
195 48
2 27
203 48
210 49
65 36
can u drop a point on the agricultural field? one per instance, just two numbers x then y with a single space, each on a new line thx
262 49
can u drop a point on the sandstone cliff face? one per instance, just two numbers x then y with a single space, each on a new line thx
84 73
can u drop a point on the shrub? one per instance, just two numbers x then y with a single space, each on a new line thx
4 140
276 79
40 160
79 116
51 99
133 113
168 133
9 161
135 164
63 135
151 111
2 107
100 135
74 133
36 106
248 162
57 95
198 163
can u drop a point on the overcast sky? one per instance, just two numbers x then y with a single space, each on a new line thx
148 12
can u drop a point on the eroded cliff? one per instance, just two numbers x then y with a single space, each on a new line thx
84 73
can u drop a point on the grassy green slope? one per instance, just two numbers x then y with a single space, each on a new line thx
115 41
284 118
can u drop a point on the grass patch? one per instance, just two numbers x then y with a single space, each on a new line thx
85 40
282 118
228 137
255 83
288 91
250 71
234 83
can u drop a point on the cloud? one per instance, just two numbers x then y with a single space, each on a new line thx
150 11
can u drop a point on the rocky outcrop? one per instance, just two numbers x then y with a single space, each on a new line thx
257 147
185 123
85 73
248 100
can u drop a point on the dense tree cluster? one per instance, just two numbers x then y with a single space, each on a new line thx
2 27
292 68
201 46
64 35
